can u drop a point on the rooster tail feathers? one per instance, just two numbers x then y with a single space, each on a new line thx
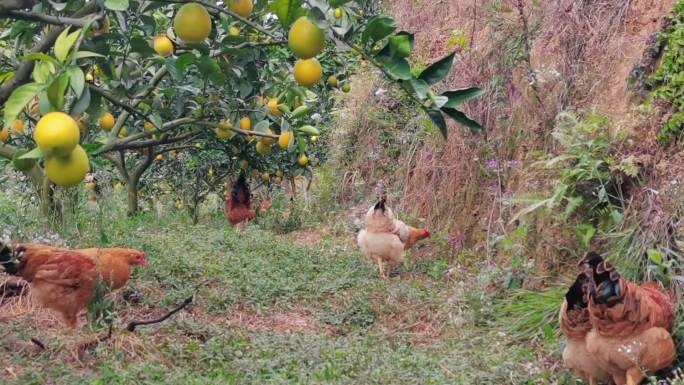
242 180
576 296
9 258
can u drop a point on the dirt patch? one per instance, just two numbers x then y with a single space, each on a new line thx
304 238
423 330
295 321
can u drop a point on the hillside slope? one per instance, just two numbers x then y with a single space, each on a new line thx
536 61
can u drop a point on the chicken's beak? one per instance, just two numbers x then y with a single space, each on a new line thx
144 259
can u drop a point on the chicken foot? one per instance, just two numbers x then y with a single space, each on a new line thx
634 376
381 268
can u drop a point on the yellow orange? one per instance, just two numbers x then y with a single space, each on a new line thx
305 39
162 45
57 133
68 170
192 23
307 72
242 7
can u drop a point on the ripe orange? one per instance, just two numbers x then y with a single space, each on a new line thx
308 72
56 133
68 170
305 39
192 23
242 7
162 45
245 124
285 140
273 107
4 135
107 121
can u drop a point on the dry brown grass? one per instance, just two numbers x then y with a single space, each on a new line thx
534 59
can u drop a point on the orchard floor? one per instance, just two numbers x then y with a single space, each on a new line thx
300 308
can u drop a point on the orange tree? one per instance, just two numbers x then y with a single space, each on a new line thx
119 83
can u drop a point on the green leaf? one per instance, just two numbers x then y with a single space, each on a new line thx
56 91
184 61
397 67
655 256
76 79
437 71
458 97
420 87
64 42
90 147
81 104
86 54
42 71
39 56
261 127
310 130
461 118
141 46
440 101
116 5
19 98
287 11
33 154
438 119
378 28
400 45
337 3
208 66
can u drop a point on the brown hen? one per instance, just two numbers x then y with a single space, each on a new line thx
60 280
575 324
631 324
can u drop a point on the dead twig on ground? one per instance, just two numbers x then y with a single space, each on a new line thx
133 324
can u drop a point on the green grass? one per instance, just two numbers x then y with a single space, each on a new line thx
357 329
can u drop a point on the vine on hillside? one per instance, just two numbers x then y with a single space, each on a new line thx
668 81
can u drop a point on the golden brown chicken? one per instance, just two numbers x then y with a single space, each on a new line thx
60 280
575 324
378 240
631 324
409 235
114 264
239 204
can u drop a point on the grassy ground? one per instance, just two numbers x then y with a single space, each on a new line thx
300 308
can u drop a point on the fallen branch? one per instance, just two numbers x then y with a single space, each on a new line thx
38 343
133 324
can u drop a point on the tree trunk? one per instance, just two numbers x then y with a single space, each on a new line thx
132 188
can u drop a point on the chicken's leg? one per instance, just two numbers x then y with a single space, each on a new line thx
634 376
380 267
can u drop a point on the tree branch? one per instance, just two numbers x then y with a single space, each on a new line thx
177 148
54 20
149 143
140 169
23 71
